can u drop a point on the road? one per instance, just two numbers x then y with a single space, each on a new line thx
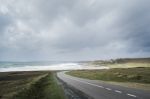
101 90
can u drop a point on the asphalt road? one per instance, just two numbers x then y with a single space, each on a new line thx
101 90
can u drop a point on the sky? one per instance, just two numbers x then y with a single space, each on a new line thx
72 30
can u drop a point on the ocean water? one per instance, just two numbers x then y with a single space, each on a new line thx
44 66
35 66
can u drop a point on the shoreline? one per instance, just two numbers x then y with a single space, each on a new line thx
51 68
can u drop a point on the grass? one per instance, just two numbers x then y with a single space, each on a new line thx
29 85
130 72
13 82
137 75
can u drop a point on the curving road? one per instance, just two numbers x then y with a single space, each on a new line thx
101 90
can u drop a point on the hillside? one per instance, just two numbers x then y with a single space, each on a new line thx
122 62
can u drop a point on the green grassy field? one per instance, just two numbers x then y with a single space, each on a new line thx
137 75
29 85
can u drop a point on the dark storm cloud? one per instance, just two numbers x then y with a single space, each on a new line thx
74 29
136 22
5 20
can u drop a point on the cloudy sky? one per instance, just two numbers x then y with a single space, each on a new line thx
74 29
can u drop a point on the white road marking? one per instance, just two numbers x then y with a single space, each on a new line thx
108 88
118 91
87 83
102 87
132 95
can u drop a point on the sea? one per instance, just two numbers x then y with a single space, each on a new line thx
38 66
46 66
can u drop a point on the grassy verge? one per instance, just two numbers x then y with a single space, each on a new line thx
45 88
13 82
29 85
139 75
133 75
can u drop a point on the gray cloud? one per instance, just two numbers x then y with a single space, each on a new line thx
74 29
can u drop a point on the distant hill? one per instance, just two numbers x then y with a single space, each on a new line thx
132 60
123 60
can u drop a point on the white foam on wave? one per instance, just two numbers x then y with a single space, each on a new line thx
65 66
